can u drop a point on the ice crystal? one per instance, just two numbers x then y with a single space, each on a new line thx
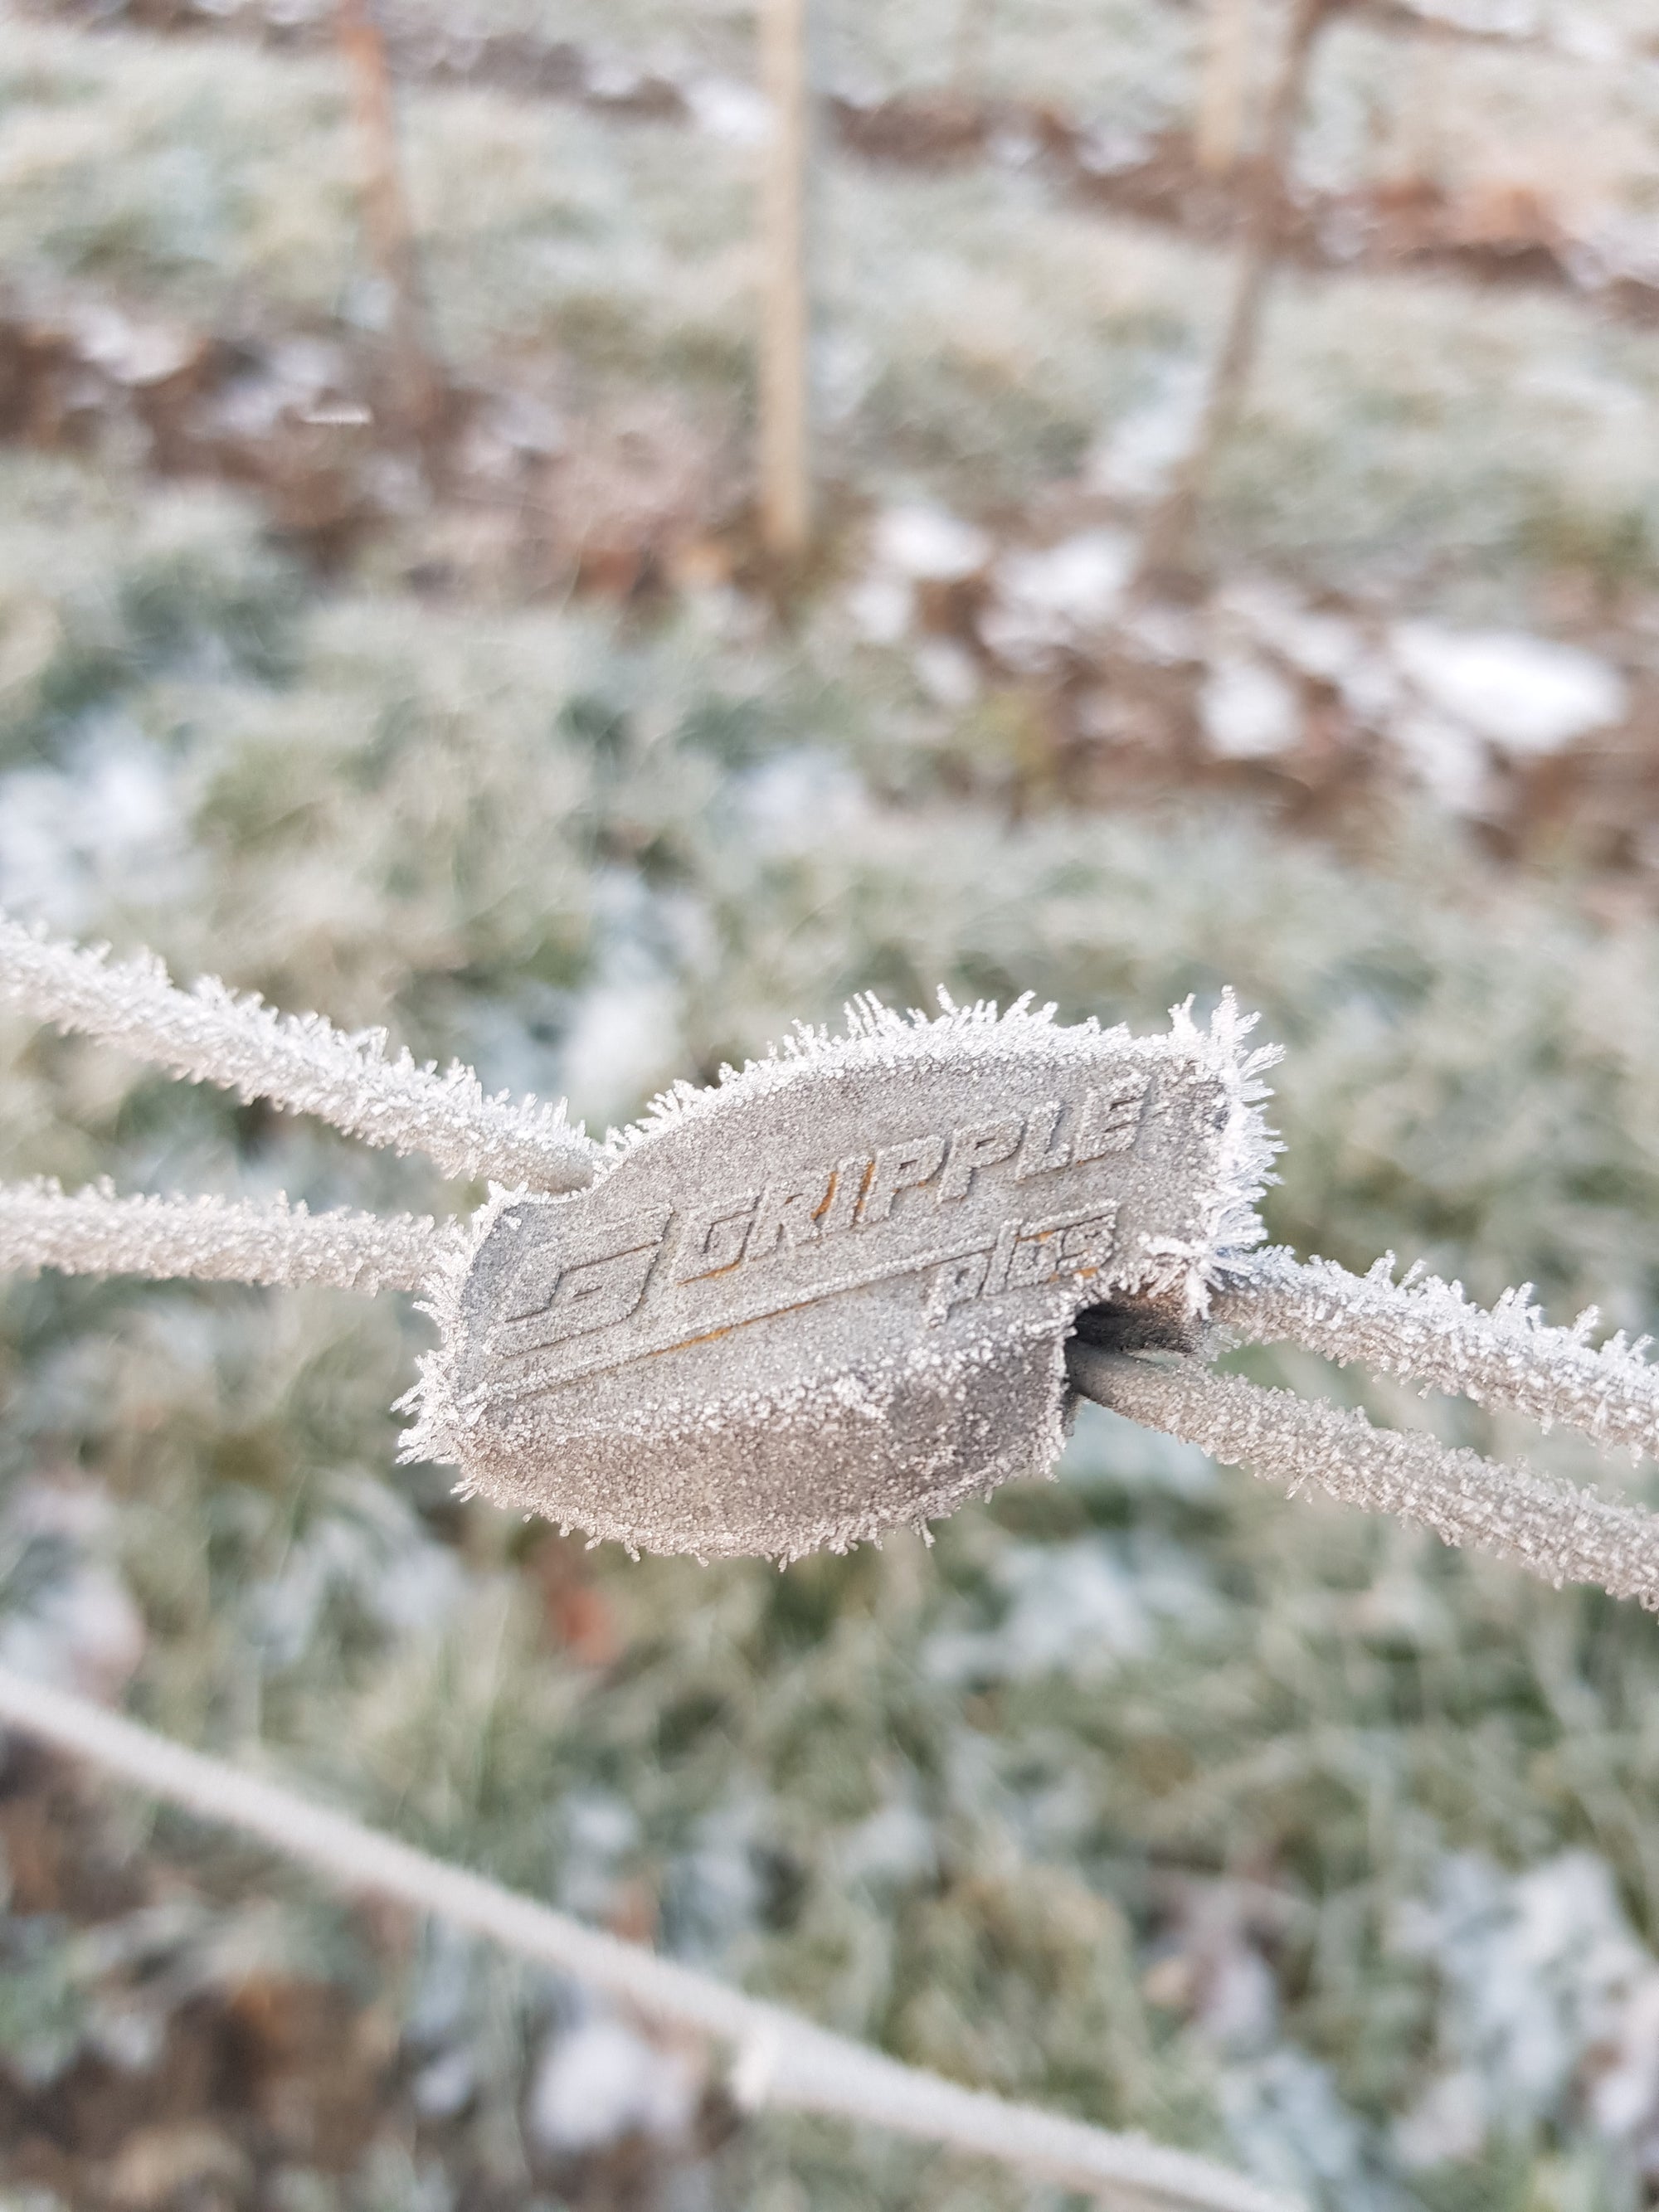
94 1232
1562 1533
1427 1330
300 1061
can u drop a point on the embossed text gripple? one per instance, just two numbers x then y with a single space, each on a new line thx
832 1294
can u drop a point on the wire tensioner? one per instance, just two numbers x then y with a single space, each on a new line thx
852 1284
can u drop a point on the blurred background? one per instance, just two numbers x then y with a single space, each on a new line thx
1107 498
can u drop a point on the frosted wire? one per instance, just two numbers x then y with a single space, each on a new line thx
93 1232
298 1062
1427 1330
1562 1533
783 2059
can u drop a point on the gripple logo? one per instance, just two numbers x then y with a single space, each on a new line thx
832 1293
845 1214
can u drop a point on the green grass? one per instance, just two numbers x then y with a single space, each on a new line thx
1413 435
593 857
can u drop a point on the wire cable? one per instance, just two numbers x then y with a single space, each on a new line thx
217 1240
1427 1331
299 1062
1556 1531
782 2060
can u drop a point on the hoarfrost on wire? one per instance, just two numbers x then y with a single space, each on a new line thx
301 1062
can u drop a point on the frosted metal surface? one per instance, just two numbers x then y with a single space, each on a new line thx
831 1295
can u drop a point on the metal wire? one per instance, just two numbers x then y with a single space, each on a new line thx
1562 1533
1427 1331
782 2060
300 1062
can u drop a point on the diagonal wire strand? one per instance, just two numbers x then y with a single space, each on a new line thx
783 2060
94 1232
1556 1531
298 1062
1425 1330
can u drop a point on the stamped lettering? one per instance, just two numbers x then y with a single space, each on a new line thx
1043 1152
554 1297
834 1292
714 1238
847 1188
1110 1119
899 1166
984 1146
787 1214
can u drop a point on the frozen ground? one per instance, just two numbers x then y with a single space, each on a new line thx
1146 1794
1441 504
979 339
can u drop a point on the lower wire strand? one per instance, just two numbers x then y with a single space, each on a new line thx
783 2059
1556 1531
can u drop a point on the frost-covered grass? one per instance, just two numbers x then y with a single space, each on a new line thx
1259 1825
1256 1823
980 340
1552 102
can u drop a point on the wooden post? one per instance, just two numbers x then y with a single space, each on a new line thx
418 387
1223 87
1165 546
786 498
1413 149
967 74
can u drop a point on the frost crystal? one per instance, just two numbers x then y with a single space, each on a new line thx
1192 1155
1555 1531
828 1296
1427 1330
300 1061
94 1232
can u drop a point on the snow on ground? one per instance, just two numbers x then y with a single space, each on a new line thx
1525 695
599 2080
66 1615
1449 705
1044 598
1249 710
1550 2003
